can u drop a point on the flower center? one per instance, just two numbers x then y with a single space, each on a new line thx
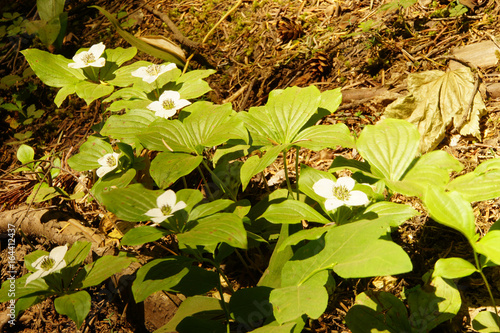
88 58
152 70
168 104
166 210
341 193
47 263
111 161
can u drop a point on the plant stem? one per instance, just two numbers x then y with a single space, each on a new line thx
492 299
222 185
205 182
285 166
297 150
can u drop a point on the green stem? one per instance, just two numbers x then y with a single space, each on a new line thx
222 185
297 150
205 182
184 182
285 165
157 90
488 288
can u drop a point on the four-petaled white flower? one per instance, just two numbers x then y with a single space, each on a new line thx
339 193
109 162
170 101
167 205
151 73
49 264
92 57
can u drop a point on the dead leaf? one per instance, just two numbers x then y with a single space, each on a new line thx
437 100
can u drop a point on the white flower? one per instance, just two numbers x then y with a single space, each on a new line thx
151 73
167 205
90 57
49 264
170 101
339 193
109 162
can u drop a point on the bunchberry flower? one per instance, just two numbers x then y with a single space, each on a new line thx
150 73
339 193
109 162
49 264
167 206
91 58
170 101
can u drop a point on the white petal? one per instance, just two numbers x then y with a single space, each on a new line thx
165 113
154 212
166 199
178 206
60 265
324 187
347 182
333 203
34 276
170 94
155 106
102 171
58 253
149 78
97 50
181 103
77 65
78 58
166 68
357 198
36 263
98 63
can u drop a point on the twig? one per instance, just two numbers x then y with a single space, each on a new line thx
177 33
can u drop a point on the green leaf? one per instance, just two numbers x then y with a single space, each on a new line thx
325 136
352 250
139 44
74 258
394 214
130 203
75 305
63 93
168 135
481 184
52 69
201 306
437 100
126 127
194 88
284 115
331 100
377 312
214 229
101 269
340 163
48 9
292 211
306 234
254 164
486 322
250 306
92 150
36 287
275 327
433 304
90 91
453 268
167 274
310 297
168 167
210 208
488 246
111 182
142 235
389 147
25 154
451 210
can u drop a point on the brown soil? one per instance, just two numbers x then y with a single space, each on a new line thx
262 45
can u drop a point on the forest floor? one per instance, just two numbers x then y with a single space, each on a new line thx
367 48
